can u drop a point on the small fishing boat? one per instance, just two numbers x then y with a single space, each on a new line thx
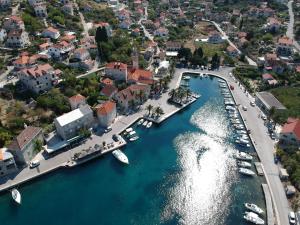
253 218
145 123
118 154
244 164
254 208
149 125
186 77
133 138
128 130
247 172
243 156
140 122
16 196
132 133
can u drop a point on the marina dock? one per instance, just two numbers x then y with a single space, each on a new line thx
259 169
269 205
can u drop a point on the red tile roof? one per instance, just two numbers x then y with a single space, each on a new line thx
139 74
116 65
292 126
108 90
107 81
24 137
77 98
39 70
105 108
285 41
267 76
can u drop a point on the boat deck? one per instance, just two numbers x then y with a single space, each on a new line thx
269 205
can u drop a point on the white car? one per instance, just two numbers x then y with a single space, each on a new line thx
244 108
292 218
34 163
252 104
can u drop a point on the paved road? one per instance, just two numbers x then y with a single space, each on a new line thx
249 60
290 29
264 146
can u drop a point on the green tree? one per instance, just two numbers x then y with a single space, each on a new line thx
38 144
215 61
149 108
185 53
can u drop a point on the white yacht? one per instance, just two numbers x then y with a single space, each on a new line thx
254 208
16 196
130 134
140 122
134 138
241 132
149 124
253 218
246 171
244 164
186 77
128 130
145 123
118 154
243 156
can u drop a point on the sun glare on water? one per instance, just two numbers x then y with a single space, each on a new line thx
202 193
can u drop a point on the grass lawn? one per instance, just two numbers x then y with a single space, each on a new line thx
290 98
210 49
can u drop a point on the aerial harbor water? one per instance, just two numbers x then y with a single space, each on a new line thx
181 172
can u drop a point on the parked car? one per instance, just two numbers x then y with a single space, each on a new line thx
244 108
34 163
252 104
292 218
108 129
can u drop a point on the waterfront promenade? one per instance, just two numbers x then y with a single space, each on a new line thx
264 145
63 158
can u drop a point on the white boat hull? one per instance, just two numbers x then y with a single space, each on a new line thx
118 154
16 196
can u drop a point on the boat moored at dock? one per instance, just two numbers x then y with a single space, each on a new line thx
243 156
247 172
244 164
140 122
253 208
16 196
253 218
118 154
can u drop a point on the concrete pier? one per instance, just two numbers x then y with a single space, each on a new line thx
269 205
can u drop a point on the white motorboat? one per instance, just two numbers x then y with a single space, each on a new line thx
253 218
241 132
140 122
118 154
128 130
243 156
149 124
221 81
230 108
244 164
133 138
145 123
16 196
242 141
247 172
186 77
239 127
254 208
235 121
131 133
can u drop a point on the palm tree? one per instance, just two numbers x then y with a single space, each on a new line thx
187 93
131 103
172 93
149 108
271 113
158 111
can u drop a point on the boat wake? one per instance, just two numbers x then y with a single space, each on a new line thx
202 193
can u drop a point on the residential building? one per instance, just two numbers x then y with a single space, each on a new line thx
232 51
134 94
173 45
116 70
107 81
269 79
33 2
140 76
70 38
25 61
7 163
60 50
17 39
106 113
70 124
125 24
38 79
161 32
106 26
266 101
215 37
290 133
273 24
13 23
284 46
76 101
51 32
40 9
81 54
5 4
23 147
3 35
109 91
68 9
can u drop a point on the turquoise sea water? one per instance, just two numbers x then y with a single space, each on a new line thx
181 172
